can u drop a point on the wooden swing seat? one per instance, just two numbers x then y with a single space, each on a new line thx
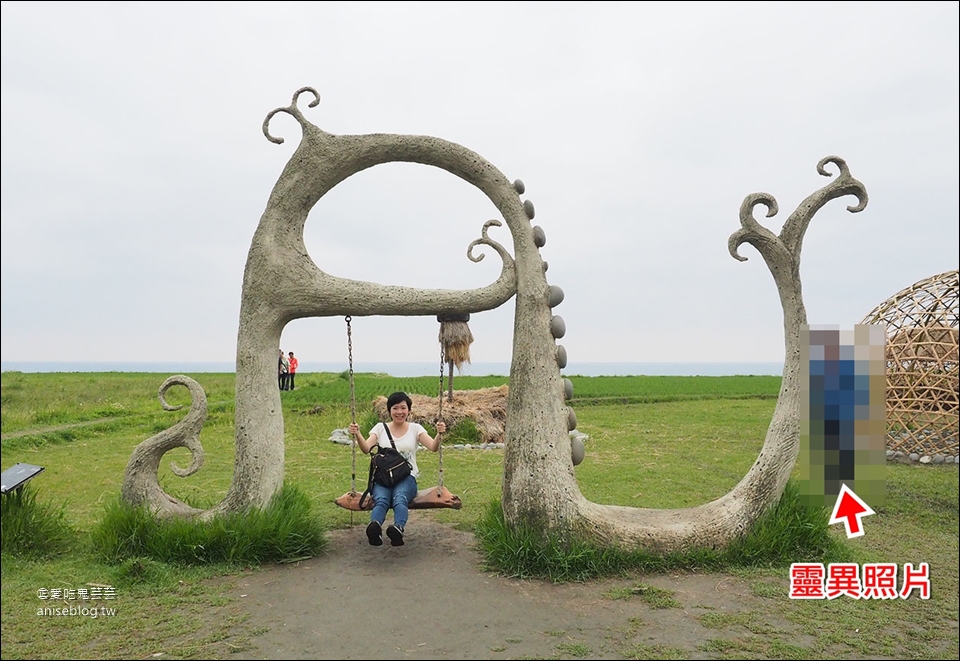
432 498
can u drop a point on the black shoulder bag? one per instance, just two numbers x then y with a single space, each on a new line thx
387 466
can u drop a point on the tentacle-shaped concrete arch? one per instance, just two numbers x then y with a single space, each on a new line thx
717 523
282 283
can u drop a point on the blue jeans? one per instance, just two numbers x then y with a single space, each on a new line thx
398 497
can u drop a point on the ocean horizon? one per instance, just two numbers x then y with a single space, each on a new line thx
407 369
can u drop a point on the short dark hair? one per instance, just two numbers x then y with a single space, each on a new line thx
398 397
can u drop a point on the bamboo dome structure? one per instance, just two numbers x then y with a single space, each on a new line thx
922 367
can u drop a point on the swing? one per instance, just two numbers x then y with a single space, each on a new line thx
430 498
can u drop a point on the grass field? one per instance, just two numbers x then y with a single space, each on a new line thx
653 442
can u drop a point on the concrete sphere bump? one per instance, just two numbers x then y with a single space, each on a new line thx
539 237
528 209
577 450
555 296
558 327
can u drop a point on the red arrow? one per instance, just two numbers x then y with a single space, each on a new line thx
849 509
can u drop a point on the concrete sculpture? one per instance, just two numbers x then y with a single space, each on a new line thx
281 283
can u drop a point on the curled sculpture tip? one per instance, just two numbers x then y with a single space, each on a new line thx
861 203
487 241
750 202
751 229
169 383
849 185
836 160
292 110
196 392
859 191
312 104
266 126
734 242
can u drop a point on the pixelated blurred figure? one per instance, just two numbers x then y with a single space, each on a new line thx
843 413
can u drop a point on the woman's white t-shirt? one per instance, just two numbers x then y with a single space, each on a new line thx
406 444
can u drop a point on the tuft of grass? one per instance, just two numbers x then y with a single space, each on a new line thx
33 528
523 552
749 621
654 652
792 529
143 572
756 648
465 432
284 530
658 598
788 531
577 650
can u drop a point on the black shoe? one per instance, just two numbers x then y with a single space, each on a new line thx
374 533
395 533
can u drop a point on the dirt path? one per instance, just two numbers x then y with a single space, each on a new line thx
429 599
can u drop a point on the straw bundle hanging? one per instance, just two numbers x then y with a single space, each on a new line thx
455 339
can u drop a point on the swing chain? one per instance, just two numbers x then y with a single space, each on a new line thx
353 409
439 418
353 400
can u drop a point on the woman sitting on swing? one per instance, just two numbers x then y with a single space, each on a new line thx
408 436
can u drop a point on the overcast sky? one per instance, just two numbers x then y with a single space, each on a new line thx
134 168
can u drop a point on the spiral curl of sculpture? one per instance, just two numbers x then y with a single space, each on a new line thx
281 283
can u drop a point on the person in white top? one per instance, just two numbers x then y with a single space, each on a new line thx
283 367
407 436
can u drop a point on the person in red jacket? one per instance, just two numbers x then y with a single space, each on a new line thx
292 371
